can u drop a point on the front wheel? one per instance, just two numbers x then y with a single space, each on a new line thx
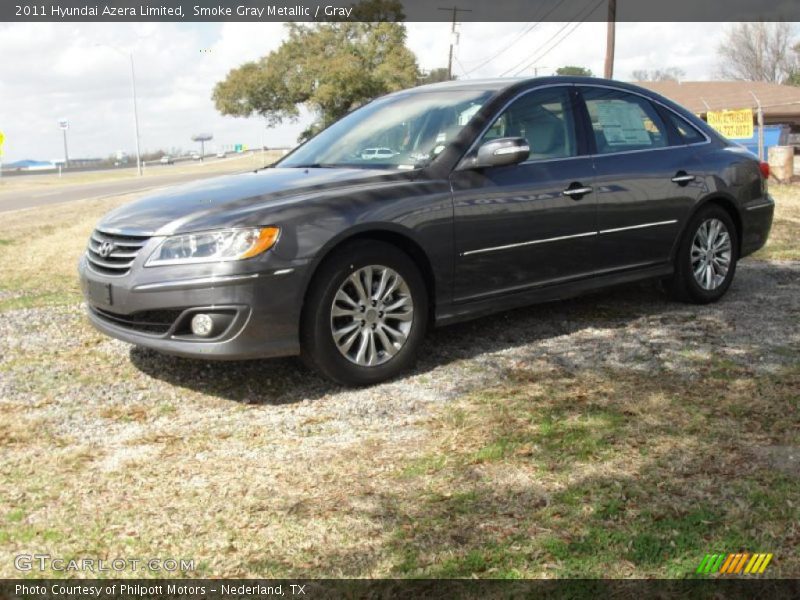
706 259
365 315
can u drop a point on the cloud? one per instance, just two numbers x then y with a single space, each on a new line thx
547 46
81 71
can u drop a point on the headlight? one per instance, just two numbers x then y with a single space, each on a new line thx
214 246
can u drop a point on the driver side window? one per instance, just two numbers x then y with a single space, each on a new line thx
544 118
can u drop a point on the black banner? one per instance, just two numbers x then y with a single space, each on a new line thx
413 10
230 589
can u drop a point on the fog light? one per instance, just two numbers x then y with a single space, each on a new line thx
202 325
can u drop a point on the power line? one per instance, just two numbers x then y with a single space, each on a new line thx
575 25
519 37
460 66
525 30
526 61
519 33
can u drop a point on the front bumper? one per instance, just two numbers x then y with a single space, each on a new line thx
261 309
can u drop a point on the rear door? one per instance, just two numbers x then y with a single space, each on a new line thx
645 178
529 224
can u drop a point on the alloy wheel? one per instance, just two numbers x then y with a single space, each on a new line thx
711 254
371 315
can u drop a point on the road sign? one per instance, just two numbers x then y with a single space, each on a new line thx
733 124
2 138
63 124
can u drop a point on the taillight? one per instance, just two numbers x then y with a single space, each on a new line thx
764 168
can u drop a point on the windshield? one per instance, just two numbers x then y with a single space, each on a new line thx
397 132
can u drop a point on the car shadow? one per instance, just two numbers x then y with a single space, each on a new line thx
287 381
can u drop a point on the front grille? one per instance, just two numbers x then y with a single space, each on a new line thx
148 321
120 252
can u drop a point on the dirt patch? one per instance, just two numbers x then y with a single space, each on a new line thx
785 459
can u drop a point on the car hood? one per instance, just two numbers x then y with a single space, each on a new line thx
234 199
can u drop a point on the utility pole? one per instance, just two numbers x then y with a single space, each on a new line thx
760 118
455 10
63 124
135 108
136 118
610 38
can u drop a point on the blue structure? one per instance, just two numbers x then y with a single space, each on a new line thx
774 135
30 164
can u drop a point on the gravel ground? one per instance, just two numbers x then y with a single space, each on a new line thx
51 359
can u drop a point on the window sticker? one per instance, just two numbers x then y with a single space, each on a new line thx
622 123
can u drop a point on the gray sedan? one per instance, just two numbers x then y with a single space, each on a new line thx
496 194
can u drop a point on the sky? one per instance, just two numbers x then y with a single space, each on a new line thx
81 72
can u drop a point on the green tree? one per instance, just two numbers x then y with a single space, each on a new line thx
331 68
573 70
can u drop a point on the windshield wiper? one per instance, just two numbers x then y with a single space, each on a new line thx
315 166
269 166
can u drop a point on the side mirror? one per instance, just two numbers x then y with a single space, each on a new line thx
501 152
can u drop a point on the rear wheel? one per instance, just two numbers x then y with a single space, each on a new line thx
365 315
706 259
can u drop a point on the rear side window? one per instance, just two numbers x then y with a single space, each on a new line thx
688 132
622 122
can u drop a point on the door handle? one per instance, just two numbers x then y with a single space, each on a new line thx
682 177
577 192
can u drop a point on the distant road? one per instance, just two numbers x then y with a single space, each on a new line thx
31 197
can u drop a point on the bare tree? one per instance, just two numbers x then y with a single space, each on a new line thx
794 76
666 74
760 51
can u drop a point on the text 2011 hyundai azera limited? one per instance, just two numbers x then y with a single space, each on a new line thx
494 194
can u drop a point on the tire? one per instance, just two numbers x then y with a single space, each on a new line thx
396 333
693 257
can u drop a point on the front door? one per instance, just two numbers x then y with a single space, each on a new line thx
531 224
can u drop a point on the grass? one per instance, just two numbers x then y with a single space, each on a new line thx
543 472
39 259
548 474
603 474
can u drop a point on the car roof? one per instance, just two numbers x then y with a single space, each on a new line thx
501 84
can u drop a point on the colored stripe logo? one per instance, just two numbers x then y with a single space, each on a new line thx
735 564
